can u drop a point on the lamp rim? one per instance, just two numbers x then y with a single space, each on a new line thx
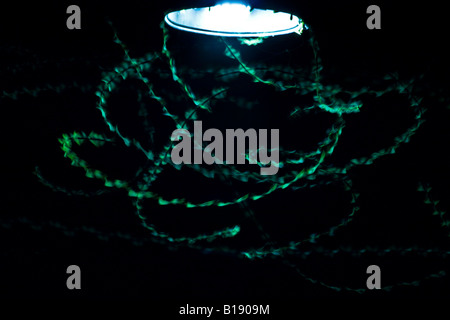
296 24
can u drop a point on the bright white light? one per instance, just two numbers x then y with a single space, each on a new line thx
234 20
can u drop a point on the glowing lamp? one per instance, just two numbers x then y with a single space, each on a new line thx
234 20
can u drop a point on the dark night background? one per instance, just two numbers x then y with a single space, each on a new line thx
37 49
